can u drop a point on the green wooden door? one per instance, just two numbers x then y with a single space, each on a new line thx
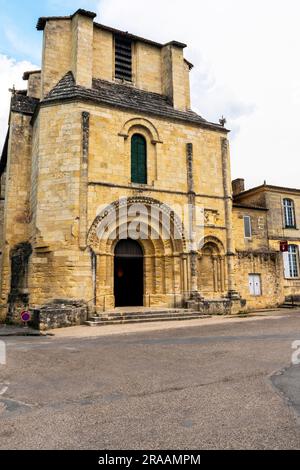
138 159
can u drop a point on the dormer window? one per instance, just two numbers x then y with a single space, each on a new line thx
123 58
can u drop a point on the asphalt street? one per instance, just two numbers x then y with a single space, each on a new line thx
220 386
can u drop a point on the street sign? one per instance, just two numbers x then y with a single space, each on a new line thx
284 247
25 317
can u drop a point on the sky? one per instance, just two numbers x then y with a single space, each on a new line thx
246 58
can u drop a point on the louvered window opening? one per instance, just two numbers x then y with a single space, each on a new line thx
123 59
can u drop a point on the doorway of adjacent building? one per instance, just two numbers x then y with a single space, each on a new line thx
129 274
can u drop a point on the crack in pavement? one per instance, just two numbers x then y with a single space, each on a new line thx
10 405
15 405
287 384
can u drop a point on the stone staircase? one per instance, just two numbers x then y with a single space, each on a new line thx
123 316
291 302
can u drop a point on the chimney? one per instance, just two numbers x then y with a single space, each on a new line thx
238 186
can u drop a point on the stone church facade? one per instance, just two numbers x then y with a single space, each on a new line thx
108 119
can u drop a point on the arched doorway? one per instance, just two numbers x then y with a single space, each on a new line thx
129 274
211 280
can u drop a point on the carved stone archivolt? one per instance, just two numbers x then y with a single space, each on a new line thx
177 228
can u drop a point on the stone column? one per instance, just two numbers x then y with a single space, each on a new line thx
232 293
158 274
169 274
83 192
176 271
223 276
215 273
185 275
195 295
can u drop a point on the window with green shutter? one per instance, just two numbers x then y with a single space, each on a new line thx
138 159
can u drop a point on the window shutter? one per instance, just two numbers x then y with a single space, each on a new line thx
134 161
286 265
138 159
251 285
257 285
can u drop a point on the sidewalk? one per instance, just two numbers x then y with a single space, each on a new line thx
7 330
110 330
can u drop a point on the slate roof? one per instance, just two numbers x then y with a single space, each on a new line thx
265 187
249 206
123 96
20 103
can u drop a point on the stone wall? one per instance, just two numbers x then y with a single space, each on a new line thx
34 84
259 225
269 266
272 198
219 307
88 50
17 213
59 314
103 59
2 206
61 264
57 49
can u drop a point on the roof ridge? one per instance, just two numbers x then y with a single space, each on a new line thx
130 87
267 186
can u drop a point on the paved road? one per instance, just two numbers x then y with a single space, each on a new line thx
200 387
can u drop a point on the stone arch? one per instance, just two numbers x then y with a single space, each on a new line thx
214 242
147 129
178 240
138 123
212 268
162 255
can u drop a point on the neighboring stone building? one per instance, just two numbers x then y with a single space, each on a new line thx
109 117
283 214
258 267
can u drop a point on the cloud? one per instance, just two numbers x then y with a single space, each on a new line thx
18 45
246 68
11 74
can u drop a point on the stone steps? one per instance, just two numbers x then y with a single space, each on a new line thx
128 317
290 305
